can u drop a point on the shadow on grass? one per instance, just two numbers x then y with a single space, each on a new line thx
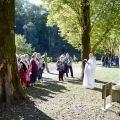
97 89
114 111
74 81
23 110
103 82
45 89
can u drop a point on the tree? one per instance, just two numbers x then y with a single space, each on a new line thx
86 27
104 16
30 33
68 15
10 87
21 46
19 16
110 44
73 19
31 21
104 19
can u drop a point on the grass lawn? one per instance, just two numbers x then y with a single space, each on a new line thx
67 100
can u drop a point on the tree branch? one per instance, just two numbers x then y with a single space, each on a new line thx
100 39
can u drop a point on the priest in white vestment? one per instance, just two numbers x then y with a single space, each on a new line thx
89 72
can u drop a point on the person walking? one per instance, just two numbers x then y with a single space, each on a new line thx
45 59
89 72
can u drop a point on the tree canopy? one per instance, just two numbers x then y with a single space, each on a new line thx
30 21
66 14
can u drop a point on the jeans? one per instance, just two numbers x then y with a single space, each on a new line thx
39 73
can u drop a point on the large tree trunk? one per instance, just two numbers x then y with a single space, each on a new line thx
85 8
10 87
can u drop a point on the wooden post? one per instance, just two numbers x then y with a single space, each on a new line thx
104 96
110 93
106 91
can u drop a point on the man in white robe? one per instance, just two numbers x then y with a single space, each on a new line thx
89 72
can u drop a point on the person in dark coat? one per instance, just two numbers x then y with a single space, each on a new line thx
116 61
103 62
34 69
106 61
61 67
68 60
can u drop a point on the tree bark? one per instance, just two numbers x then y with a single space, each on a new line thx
85 37
9 78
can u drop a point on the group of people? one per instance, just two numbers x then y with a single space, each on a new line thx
31 70
64 64
37 64
110 61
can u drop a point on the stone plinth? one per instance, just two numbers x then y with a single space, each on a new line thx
116 95
117 87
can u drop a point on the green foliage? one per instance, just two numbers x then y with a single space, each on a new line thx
30 33
21 46
104 15
62 14
66 14
49 59
30 21
110 44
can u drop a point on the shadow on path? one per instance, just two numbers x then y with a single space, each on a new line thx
45 89
54 73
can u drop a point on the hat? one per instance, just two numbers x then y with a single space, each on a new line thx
43 56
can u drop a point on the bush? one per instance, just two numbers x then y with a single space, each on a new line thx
49 59
21 46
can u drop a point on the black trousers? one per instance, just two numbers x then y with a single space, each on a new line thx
33 76
61 75
71 71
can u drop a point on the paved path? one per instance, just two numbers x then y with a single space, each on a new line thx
54 73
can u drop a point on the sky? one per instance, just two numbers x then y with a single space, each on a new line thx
35 1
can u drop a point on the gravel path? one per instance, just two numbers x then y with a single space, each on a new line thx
54 73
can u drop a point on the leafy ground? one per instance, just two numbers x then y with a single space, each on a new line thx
67 100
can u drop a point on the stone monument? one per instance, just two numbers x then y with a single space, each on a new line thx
116 93
117 87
